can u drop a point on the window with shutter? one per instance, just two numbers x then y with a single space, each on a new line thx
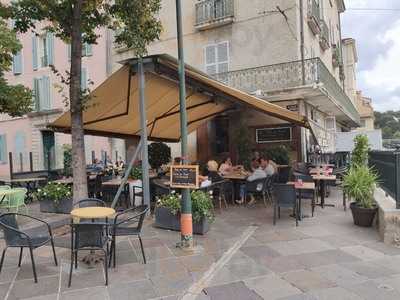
50 48
19 144
217 58
34 52
36 95
84 79
45 99
17 63
3 148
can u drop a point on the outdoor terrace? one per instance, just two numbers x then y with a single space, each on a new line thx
246 257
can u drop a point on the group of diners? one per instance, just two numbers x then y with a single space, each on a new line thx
261 167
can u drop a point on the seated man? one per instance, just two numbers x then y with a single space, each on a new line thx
268 166
258 173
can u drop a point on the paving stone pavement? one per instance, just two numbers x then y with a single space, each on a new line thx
326 257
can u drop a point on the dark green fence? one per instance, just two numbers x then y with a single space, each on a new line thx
387 164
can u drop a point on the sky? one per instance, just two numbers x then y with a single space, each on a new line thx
377 35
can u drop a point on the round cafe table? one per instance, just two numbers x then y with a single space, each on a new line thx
94 212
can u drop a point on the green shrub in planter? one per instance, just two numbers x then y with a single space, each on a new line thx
359 155
54 198
67 171
359 184
159 154
168 209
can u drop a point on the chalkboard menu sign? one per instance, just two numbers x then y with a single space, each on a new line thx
184 176
271 135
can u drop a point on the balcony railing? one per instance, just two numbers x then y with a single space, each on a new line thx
289 75
314 16
212 13
324 35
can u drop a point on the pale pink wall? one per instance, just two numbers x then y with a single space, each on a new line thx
96 71
10 129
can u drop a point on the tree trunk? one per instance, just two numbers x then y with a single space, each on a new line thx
77 134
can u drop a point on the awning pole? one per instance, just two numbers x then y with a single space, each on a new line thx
186 214
143 134
127 172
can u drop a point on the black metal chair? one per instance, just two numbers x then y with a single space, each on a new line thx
89 236
284 195
307 194
108 193
90 202
284 175
15 238
94 186
127 223
218 191
257 187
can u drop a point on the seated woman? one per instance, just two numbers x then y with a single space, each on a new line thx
268 166
226 166
212 175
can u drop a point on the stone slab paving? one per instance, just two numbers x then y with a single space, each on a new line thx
326 257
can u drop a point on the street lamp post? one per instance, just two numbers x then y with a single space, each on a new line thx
186 214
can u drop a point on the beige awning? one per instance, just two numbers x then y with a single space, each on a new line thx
113 107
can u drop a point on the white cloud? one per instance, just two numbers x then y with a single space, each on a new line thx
385 73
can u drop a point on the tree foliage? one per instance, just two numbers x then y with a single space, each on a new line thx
76 21
15 100
389 122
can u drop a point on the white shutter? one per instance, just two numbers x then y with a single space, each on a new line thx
211 59
223 57
84 79
47 92
17 63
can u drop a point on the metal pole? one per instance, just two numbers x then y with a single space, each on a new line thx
186 214
143 135
125 178
10 162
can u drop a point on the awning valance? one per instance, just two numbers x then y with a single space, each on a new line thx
113 107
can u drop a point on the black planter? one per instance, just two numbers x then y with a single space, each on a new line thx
166 220
363 216
61 207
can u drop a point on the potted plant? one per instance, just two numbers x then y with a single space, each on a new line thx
279 155
159 154
359 184
168 209
55 198
67 152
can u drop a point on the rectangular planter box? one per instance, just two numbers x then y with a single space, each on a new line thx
62 207
166 220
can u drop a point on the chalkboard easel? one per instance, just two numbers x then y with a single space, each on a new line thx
184 176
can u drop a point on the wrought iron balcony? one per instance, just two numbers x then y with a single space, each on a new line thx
286 76
314 16
214 13
324 35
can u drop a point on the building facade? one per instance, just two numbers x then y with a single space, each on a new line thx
32 67
289 52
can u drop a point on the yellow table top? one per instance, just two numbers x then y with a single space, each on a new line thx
92 212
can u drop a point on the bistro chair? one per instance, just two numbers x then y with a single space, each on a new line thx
88 236
127 223
217 191
257 188
284 175
90 202
108 193
307 194
16 200
5 187
94 186
15 238
284 195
